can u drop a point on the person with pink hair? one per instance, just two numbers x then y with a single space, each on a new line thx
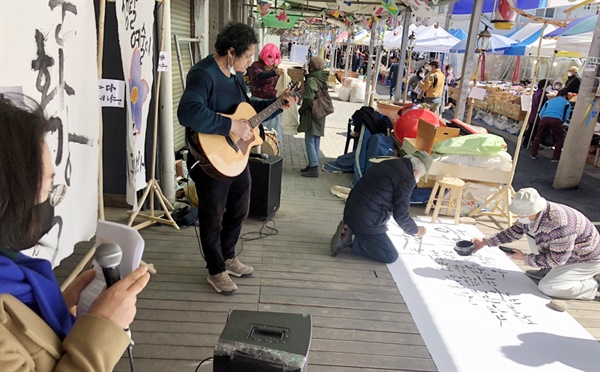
264 75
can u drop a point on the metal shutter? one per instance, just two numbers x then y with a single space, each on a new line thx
181 19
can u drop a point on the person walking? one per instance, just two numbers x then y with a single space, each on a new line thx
313 129
433 87
393 75
413 84
553 114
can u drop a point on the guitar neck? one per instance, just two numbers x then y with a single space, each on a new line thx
264 114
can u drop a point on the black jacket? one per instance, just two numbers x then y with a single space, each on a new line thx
573 83
382 191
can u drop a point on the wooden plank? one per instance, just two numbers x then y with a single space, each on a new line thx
332 294
342 346
328 277
326 302
372 361
403 338
325 285
331 312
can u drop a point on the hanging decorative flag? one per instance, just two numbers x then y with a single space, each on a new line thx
263 8
390 6
281 15
334 13
377 10
342 2
389 22
421 8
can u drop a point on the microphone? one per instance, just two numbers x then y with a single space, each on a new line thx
108 256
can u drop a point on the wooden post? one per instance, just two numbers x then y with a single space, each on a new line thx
465 76
407 74
153 187
581 129
471 100
101 16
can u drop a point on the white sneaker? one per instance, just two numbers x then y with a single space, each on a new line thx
222 283
236 268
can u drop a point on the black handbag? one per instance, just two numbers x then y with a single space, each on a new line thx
322 105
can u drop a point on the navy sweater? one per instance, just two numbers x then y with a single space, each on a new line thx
209 92
382 191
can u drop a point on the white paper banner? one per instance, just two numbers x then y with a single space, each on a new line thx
480 312
135 20
48 51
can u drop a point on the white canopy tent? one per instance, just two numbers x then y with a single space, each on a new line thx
393 39
434 39
567 46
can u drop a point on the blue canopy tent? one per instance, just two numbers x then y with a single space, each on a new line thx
466 6
458 33
519 48
576 26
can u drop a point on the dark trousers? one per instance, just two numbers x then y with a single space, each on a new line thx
378 247
555 125
222 208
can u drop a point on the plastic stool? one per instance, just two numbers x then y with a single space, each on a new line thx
438 199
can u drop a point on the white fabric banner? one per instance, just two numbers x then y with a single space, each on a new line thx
48 52
135 20
480 312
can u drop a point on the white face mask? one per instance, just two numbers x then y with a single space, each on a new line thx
569 74
524 220
450 71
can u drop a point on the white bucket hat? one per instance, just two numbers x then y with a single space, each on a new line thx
527 202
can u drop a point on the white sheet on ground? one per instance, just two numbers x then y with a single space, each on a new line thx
481 313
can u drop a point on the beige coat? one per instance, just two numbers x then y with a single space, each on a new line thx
427 87
27 343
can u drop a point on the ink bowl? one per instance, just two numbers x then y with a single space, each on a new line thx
464 248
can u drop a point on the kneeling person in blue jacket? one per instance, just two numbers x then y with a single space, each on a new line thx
383 191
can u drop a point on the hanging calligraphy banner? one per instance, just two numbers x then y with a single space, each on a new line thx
48 52
135 20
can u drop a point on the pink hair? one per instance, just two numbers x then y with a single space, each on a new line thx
270 50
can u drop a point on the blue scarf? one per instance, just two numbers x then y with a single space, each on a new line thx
32 282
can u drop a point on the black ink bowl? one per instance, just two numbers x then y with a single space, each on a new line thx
464 248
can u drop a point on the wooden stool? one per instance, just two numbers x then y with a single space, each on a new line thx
455 186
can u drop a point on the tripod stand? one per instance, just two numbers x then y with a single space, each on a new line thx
153 187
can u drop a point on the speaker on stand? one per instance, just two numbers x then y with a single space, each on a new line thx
265 196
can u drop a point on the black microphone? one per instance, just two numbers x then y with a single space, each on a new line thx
108 256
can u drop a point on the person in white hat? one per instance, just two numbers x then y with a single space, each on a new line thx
563 242
382 192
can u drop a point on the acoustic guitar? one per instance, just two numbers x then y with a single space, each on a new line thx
226 156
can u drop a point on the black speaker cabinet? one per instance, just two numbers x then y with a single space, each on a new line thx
256 341
266 186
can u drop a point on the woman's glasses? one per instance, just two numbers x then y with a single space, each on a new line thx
57 194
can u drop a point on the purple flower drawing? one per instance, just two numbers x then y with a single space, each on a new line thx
138 91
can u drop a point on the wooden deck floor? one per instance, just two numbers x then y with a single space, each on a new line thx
360 320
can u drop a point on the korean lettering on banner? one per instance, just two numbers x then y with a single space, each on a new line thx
111 92
51 57
475 279
135 25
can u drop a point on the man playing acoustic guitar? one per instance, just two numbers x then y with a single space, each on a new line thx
214 89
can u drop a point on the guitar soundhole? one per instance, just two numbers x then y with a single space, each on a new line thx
244 145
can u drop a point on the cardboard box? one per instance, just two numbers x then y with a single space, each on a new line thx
428 135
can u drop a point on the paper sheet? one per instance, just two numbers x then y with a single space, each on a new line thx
480 312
